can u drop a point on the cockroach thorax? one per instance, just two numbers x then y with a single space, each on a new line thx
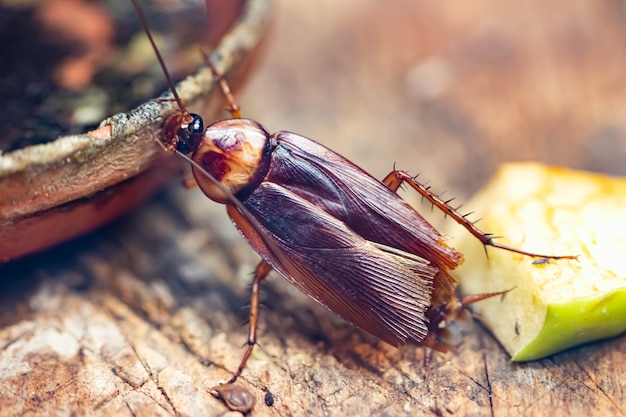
233 152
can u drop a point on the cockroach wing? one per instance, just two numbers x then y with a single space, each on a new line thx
362 202
382 290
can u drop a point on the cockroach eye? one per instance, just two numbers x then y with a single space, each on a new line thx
196 125
190 135
233 152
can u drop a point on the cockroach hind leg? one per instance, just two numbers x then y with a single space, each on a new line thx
474 298
464 302
392 181
450 321
396 178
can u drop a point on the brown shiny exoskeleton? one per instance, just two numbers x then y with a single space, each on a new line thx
339 235
342 237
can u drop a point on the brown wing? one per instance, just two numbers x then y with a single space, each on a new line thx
382 290
363 203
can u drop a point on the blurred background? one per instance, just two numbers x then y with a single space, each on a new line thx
447 89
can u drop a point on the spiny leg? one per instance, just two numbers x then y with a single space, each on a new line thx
261 271
474 298
396 178
452 310
233 107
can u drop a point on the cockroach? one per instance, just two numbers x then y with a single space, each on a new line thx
339 235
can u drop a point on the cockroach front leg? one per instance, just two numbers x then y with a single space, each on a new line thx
233 107
396 178
261 271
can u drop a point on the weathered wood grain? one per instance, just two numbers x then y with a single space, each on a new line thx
129 321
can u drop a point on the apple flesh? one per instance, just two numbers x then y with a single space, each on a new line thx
555 304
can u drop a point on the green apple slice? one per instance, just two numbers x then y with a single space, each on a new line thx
555 304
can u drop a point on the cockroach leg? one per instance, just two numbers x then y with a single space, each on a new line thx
474 298
392 181
261 271
396 178
233 107
441 315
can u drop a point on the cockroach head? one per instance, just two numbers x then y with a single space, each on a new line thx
233 152
190 134
183 132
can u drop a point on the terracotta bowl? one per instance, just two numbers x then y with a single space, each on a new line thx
52 192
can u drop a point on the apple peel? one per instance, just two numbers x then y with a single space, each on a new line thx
556 304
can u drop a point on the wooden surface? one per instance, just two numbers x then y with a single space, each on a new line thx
141 317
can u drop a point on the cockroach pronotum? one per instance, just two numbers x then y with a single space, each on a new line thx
342 237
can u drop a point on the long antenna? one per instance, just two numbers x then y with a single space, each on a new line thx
234 201
144 23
